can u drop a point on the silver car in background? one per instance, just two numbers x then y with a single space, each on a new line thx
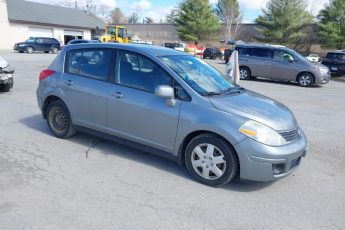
281 64
169 103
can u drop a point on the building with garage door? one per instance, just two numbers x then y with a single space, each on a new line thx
21 19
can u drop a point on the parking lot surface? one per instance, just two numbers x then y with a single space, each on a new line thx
88 183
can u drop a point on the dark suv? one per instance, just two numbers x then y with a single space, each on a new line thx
212 53
335 61
38 44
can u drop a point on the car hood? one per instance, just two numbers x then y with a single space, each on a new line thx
3 62
258 108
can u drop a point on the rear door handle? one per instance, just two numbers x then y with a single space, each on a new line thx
117 95
69 82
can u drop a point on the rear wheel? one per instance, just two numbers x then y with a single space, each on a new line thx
29 49
245 73
210 160
59 120
305 79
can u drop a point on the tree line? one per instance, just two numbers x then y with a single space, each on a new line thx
281 22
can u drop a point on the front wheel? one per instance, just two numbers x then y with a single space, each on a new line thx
29 49
245 73
59 120
55 50
305 80
210 160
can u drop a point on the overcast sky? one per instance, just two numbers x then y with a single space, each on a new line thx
157 9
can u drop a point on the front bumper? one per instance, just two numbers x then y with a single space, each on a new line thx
322 78
19 48
259 162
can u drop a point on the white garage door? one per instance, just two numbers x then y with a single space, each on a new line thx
40 32
73 33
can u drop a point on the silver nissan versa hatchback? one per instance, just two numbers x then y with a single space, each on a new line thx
169 103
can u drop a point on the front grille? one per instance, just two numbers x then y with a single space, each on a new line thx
291 135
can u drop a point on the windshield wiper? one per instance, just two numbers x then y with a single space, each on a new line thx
233 90
211 93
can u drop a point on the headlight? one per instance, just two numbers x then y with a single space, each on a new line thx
323 70
262 133
8 69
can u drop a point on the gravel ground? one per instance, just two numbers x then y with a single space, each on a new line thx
89 183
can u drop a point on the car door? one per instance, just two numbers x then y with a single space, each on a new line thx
283 69
260 62
133 110
39 44
85 84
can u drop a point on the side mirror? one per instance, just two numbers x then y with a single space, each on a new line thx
291 59
166 92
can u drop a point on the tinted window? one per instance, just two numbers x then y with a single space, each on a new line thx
262 52
137 71
92 63
40 40
244 51
336 56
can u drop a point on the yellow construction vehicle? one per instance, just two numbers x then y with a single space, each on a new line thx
116 34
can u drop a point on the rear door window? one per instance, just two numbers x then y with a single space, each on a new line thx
262 52
244 51
91 63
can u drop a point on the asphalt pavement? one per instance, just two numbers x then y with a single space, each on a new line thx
89 183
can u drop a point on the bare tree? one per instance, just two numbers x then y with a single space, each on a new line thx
230 14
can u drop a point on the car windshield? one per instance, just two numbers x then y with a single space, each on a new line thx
30 41
199 75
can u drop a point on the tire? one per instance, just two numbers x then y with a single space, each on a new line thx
203 57
305 79
245 73
203 166
6 87
46 52
55 50
59 120
29 50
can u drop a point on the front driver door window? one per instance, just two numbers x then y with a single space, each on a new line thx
133 110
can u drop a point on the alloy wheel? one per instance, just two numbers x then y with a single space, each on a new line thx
208 161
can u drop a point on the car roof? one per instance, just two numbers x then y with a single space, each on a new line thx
336 52
149 49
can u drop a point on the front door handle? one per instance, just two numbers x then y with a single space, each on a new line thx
117 95
69 82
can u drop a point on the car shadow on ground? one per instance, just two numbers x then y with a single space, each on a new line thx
263 80
91 142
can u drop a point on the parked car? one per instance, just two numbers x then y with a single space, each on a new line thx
227 55
313 58
167 103
280 63
335 61
176 46
78 41
212 53
38 44
6 75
